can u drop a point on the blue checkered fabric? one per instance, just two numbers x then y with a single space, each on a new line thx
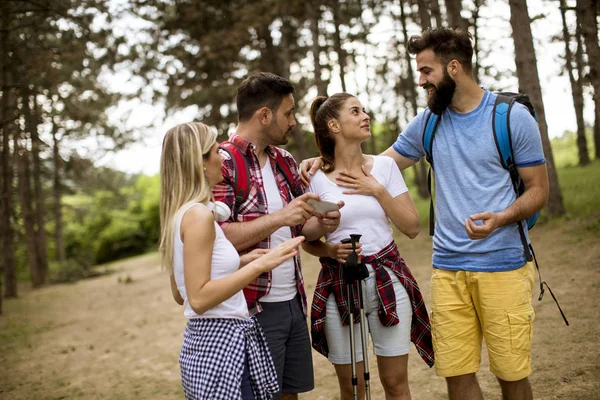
212 359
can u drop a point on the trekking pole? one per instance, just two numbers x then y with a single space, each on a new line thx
362 274
356 271
350 295
350 267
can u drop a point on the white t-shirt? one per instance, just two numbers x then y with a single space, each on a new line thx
225 261
283 278
362 214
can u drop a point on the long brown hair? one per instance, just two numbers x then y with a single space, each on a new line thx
323 110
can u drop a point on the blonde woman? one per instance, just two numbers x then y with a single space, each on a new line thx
224 354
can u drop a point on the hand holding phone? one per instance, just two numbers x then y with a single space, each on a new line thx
322 206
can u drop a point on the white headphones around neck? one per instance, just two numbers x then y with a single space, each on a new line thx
220 211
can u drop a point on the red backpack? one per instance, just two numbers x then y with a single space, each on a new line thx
241 178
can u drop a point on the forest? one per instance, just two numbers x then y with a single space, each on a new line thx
62 212
85 308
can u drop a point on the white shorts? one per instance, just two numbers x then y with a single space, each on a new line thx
387 341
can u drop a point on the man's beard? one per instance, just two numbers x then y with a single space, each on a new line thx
272 136
441 97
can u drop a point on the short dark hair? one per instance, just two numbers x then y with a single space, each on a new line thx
263 89
447 44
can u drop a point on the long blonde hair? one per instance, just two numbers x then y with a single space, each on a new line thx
182 180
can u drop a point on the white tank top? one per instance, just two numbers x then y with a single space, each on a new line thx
225 261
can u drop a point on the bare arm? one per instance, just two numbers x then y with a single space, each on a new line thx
338 251
318 248
401 210
198 236
401 161
531 201
175 291
313 229
320 225
246 234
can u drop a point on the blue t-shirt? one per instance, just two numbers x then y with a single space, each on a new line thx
470 179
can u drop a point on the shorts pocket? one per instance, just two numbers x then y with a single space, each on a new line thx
434 334
521 329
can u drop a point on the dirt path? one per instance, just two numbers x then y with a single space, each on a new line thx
107 339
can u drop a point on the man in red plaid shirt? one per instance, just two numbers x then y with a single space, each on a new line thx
271 215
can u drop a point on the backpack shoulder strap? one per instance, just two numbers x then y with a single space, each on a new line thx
241 178
501 128
428 134
287 172
502 137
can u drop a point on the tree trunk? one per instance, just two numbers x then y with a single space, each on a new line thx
24 175
587 13
424 16
27 209
337 42
38 195
8 233
455 20
436 13
597 132
420 168
299 150
58 222
529 82
372 145
315 16
268 61
576 85
6 121
476 66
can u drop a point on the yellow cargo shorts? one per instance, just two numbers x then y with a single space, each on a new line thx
469 306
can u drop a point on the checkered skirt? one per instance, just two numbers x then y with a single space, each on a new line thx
212 359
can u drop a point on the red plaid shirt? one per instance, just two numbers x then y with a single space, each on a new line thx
256 206
331 280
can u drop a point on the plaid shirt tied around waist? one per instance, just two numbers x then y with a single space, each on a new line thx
256 206
212 359
331 280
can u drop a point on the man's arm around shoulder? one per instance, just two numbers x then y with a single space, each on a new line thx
401 161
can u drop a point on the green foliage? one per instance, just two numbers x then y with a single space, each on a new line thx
564 149
580 189
581 193
421 204
71 270
108 225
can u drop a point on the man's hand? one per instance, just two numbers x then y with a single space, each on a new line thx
298 211
489 222
308 168
330 220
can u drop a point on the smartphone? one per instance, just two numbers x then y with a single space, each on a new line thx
322 207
